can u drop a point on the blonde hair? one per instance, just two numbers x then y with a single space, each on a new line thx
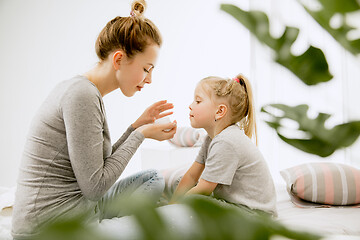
131 34
237 93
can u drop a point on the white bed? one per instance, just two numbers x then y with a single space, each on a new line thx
333 223
6 202
325 221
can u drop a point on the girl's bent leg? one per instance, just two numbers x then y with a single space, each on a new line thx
148 183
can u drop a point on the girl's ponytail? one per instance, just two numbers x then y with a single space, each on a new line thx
248 122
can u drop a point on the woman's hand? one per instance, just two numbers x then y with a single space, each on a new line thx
155 111
158 132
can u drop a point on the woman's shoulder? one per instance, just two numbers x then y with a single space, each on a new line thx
78 87
80 84
79 91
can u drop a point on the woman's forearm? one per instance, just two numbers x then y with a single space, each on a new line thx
123 138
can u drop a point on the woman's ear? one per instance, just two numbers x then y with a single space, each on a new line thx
118 56
221 111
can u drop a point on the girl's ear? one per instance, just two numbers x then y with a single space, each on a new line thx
118 56
221 111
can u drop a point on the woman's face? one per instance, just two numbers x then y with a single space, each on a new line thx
202 110
134 73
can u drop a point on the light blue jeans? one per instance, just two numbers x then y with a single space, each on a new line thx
149 184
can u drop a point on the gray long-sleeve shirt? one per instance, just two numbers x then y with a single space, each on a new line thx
68 162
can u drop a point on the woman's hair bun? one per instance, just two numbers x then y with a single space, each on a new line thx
138 8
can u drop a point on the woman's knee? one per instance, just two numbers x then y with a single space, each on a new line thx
154 174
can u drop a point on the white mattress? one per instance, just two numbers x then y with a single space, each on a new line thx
334 223
328 221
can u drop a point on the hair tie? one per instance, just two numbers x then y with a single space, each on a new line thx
132 13
236 79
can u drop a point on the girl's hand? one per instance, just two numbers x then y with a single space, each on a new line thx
158 132
155 111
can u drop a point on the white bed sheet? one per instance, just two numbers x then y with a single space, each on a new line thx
329 221
334 223
5 224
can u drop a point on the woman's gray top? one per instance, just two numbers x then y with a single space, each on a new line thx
68 162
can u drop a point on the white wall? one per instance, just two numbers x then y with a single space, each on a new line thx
46 41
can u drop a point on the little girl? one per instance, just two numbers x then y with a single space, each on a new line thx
229 165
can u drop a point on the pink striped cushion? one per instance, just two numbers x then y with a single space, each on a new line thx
324 183
187 137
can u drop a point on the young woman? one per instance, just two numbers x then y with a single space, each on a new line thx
229 164
69 166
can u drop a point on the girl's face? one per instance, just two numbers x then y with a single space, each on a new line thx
202 110
134 73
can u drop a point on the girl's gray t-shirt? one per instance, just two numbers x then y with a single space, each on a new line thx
68 162
234 162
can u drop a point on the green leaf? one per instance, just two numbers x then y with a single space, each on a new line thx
311 67
214 220
220 220
329 8
340 6
320 140
69 229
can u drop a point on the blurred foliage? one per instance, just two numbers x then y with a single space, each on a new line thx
311 67
331 9
213 221
319 140
226 221
70 229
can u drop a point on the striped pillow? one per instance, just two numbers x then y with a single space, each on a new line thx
324 183
187 137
